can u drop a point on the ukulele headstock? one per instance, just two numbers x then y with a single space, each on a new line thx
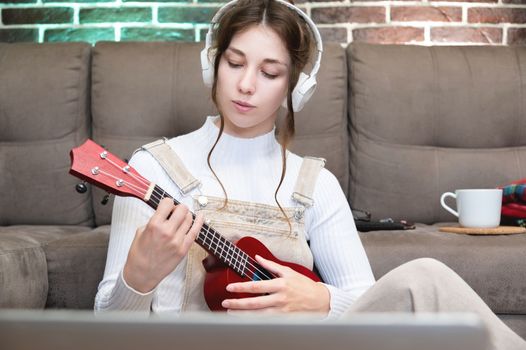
95 165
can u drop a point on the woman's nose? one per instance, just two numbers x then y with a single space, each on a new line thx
247 82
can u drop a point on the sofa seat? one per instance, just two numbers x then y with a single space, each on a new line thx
75 268
23 267
493 265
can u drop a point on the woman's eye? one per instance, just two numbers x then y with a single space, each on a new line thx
270 76
233 65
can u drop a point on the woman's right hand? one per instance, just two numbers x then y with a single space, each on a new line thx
160 246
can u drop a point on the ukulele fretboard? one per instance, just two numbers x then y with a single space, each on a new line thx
212 241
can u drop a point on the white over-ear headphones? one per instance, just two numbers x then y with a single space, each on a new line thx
306 83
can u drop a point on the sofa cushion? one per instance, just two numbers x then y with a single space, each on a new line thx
517 323
426 120
75 265
23 268
492 265
406 182
43 114
143 91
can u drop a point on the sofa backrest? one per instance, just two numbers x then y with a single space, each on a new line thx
44 101
144 91
426 120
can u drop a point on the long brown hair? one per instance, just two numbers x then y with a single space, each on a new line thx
298 40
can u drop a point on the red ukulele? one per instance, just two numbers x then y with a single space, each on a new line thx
227 263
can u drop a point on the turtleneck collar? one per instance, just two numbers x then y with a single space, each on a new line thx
265 144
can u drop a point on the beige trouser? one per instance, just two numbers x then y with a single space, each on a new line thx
427 285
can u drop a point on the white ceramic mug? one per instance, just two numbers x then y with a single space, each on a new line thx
476 207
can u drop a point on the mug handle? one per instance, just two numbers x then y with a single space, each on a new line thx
444 205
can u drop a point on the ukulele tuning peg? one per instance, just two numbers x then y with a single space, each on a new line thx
81 187
105 199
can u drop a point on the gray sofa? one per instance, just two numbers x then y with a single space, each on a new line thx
398 126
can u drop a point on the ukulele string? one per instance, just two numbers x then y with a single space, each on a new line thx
252 264
241 255
139 178
124 183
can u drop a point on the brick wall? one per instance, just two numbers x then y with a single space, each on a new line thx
481 22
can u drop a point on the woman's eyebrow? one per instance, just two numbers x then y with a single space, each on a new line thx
266 60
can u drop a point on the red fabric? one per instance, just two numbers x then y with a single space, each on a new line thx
514 210
514 203
518 182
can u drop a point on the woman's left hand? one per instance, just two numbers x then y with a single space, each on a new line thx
291 291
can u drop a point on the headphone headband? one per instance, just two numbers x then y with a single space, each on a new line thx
306 83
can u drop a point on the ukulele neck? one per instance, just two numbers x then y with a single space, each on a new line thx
208 238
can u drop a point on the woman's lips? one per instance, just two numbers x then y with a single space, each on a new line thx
243 106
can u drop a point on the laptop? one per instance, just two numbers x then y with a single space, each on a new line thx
82 330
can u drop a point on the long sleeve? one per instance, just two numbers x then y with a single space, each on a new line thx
338 252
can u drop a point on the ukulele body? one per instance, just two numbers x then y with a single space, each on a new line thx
218 275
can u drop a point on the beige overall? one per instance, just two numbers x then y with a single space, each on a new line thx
240 218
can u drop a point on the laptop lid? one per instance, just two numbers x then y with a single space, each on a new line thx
82 330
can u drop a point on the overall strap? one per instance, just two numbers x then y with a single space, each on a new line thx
306 181
172 164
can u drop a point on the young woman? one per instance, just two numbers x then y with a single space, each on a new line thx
235 173
247 179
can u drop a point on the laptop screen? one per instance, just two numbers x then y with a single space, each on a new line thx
80 330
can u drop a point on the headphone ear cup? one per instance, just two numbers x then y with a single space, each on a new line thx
207 68
305 83
303 91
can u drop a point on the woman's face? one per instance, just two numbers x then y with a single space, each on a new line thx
252 81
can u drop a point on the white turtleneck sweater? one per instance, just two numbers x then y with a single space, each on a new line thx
250 169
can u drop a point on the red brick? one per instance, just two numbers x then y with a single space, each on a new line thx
358 14
496 15
334 34
388 35
91 35
118 14
516 36
37 15
18 35
17 1
156 34
467 35
186 14
426 13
